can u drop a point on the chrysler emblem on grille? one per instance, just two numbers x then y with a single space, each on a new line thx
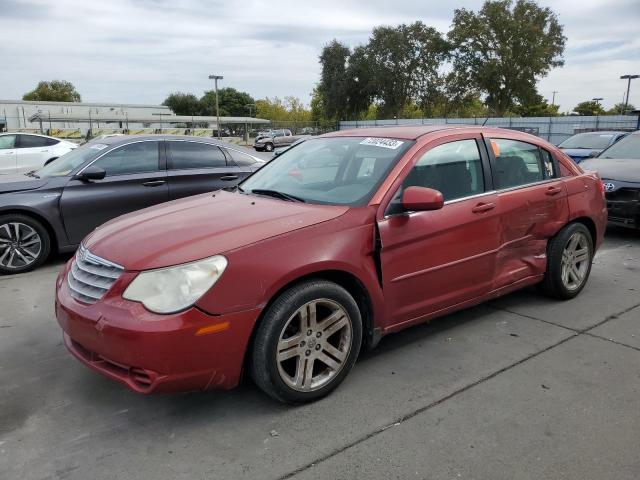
608 186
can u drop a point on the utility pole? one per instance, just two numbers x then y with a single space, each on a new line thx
553 99
628 78
215 78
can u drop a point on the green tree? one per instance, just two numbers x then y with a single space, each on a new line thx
232 103
503 50
590 107
53 91
405 61
536 107
359 83
183 103
332 88
619 109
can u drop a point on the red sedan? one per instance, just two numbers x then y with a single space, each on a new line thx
339 241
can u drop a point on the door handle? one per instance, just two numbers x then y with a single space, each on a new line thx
228 178
553 190
153 183
483 207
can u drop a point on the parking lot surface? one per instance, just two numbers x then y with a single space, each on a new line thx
519 388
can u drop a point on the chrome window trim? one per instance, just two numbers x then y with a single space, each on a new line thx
525 185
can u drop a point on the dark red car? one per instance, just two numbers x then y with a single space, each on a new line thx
337 242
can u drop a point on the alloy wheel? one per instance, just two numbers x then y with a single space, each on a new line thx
314 345
20 245
575 261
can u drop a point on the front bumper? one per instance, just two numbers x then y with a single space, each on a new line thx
150 353
624 208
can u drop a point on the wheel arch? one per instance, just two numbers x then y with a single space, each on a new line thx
591 226
347 280
55 244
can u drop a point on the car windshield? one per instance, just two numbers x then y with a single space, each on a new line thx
628 147
67 163
588 140
337 171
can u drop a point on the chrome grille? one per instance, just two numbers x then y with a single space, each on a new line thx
90 277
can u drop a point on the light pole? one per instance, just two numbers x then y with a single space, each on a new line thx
628 78
553 99
215 78
246 127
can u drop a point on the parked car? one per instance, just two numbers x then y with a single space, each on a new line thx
22 152
56 206
281 150
275 138
335 243
619 168
584 145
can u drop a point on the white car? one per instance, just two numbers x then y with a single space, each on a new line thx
23 152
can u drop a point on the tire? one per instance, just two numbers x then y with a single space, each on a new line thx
25 250
283 353
268 147
563 262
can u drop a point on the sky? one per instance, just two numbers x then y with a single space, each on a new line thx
139 51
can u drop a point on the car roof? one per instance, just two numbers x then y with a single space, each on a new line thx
116 140
601 132
413 132
29 133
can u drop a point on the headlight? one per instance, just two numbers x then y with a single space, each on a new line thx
169 290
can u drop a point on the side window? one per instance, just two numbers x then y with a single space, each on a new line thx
454 168
547 163
520 163
51 141
137 157
241 159
7 142
31 141
195 155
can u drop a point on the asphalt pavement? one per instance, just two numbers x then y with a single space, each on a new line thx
523 387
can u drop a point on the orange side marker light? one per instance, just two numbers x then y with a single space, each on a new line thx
215 328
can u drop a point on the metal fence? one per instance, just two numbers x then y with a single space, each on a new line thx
553 129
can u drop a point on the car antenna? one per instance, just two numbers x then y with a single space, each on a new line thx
486 120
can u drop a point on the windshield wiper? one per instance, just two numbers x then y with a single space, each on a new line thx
277 194
32 173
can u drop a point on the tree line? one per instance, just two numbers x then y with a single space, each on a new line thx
488 63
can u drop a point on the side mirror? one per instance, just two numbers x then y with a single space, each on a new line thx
91 173
422 199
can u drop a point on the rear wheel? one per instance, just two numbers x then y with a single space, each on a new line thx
24 243
569 258
307 342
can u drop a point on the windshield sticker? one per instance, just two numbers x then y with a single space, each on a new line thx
382 142
98 146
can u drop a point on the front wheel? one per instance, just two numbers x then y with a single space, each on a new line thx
24 244
268 147
569 257
307 342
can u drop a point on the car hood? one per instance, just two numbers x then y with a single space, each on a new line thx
19 183
201 226
625 170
